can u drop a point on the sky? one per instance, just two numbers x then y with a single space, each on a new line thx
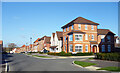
22 20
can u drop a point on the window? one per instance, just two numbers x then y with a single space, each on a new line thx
103 48
92 37
65 38
65 48
70 37
78 37
79 26
86 48
86 37
71 48
72 26
102 38
64 29
85 27
67 28
109 48
92 27
78 48
108 38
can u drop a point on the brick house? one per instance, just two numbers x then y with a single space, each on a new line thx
23 48
35 45
105 40
81 35
117 41
56 42
44 44
1 45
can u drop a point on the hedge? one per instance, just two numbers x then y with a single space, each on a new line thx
108 56
70 54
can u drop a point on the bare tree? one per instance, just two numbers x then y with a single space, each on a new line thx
11 46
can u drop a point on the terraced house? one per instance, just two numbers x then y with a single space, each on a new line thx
83 35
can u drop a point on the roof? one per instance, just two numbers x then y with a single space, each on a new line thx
80 20
36 40
47 39
59 35
76 31
42 38
53 35
23 46
104 31
1 42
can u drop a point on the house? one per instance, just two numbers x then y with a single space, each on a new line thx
56 42
81 35
1 45
105 40
117 41
44 44
35 45
23 48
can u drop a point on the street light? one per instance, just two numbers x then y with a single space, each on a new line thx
30 42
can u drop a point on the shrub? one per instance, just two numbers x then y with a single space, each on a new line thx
108 56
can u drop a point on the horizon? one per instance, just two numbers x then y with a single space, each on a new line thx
25 20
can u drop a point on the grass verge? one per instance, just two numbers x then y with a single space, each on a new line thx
90 58
114 69
29 54
41 56
84 64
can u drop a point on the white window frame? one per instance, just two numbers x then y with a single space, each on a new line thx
79 26
79 48
92 27
92 37
109 48
86 27
86 37
103 48
72 27
71 47
86 48
71 36
79 37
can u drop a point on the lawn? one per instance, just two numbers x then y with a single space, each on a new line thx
41 56
114 69
84 64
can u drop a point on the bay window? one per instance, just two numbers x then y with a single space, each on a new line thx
78 37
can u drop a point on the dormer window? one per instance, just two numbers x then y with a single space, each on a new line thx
85 27
79 26
92 27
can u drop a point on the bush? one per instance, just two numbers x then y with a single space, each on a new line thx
108 56
70 54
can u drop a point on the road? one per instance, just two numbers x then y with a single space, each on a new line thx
21 62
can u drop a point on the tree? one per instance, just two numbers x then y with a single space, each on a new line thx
11 46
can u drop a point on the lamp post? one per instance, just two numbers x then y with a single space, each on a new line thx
30 42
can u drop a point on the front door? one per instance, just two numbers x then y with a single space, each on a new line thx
94 49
